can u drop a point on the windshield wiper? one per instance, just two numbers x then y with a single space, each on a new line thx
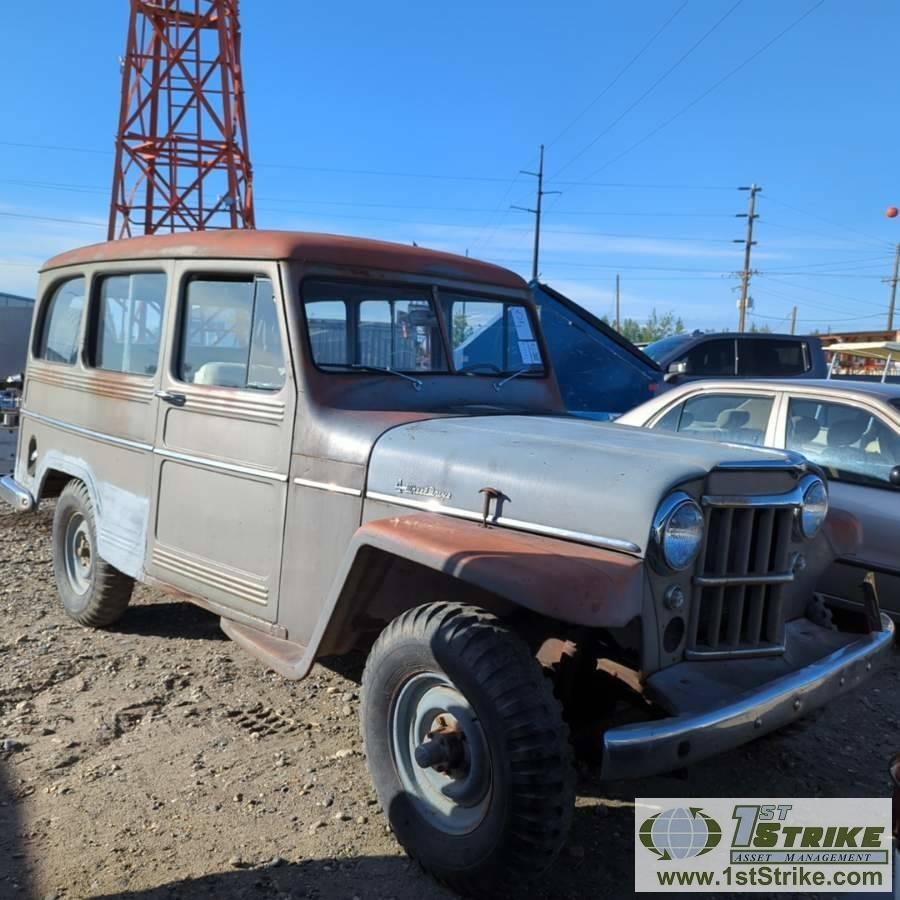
416 383
499 384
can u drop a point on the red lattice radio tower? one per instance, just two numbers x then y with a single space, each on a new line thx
182 162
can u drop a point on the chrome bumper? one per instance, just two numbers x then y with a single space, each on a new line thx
18 497
648 748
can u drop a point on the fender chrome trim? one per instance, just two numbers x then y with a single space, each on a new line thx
594 540
328 486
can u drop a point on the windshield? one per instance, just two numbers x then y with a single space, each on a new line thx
659 350
418 329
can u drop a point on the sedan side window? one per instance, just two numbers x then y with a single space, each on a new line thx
736 418
850 443
230 336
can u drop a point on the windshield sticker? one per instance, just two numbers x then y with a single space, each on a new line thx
520 320
529 352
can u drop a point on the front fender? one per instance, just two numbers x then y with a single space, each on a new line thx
563 580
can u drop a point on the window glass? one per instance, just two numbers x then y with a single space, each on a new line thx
128 323
770 356
230 335
736 418
659 350
61 327
490 336
711 358
850 443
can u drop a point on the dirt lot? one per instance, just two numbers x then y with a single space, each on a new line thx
156 760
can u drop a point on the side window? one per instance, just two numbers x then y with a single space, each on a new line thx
736 418
711 358
669 422
61 324
230 336
850 443
127 323
765 356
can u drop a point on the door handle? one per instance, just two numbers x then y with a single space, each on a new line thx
169 397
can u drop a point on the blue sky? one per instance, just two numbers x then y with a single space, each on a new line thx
409 121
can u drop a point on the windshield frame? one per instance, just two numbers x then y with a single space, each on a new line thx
433 290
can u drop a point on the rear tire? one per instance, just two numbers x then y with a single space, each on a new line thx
92 592
450 685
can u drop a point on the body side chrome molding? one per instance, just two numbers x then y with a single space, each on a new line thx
594 540
237 468
88 432
328 486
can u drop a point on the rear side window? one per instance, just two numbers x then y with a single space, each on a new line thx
230 336
764 356
732 418
711 358
128 323
61 325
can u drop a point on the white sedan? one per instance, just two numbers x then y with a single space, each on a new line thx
849 428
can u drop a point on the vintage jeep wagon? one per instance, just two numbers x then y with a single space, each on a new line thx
335 443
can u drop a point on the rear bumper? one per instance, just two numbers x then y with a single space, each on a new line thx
648 748
18 497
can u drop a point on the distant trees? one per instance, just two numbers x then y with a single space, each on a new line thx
657 326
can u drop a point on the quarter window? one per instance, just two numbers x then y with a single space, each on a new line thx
128 323
230 336
61 329
735 418
849 442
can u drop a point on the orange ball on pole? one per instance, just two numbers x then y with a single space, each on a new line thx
891 212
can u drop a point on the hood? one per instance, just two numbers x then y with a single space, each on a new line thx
570 477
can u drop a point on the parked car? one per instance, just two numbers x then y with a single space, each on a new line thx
850 429
687 357
302 434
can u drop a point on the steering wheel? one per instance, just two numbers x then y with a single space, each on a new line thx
472 367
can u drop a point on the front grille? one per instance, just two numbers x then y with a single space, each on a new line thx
740 579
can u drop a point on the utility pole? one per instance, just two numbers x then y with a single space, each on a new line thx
618 321
892 281
748 242
794 320
536 212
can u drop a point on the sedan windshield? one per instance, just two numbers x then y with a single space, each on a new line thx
659 350
413 329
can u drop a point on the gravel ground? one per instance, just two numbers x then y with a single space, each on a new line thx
157 760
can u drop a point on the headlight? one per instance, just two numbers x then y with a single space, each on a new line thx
678 531
812 513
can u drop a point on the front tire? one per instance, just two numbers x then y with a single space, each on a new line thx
92 592
467 748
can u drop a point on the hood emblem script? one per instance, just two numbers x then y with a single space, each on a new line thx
422 490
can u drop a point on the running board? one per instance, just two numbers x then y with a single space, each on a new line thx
285 657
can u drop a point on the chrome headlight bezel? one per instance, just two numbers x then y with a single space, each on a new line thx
675 505
811 484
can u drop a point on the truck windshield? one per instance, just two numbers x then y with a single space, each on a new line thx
659 350
416 329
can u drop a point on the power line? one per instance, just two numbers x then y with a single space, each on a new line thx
708 91
621 72
828 221
649 90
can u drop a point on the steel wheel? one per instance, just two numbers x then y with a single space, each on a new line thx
441 754
78 553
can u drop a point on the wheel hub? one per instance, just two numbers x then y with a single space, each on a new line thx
78 554
441 753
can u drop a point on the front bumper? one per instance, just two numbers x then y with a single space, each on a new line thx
15 495
648 748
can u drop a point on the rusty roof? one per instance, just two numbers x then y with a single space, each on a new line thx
327 249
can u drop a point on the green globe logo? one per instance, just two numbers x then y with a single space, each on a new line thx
680 833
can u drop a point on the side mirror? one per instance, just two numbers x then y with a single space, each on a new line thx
894 477
675 369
